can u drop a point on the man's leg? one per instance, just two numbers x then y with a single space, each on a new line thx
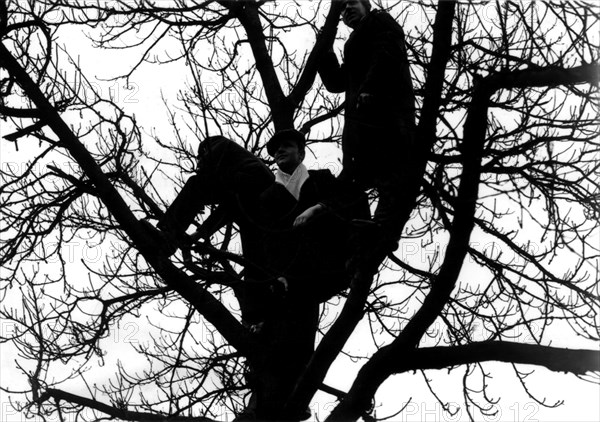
395 181
389 212
189 203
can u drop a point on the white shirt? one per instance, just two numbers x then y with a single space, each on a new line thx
293 182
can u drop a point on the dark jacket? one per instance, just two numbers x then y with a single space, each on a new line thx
244 188
227 174
233 178
376 63
312 257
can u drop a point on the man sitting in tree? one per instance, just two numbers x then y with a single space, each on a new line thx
308 214
282 249
299 243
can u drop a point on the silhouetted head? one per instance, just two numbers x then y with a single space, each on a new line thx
210 147
354 11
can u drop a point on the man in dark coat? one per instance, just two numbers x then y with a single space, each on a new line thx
378 135
311 259
308 213
307 218
226 174
232 177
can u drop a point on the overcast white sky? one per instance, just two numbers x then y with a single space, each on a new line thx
581 400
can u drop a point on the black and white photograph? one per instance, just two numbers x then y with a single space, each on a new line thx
299 210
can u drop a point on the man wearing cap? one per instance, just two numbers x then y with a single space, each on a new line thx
308 239
287 147
378 136
306 243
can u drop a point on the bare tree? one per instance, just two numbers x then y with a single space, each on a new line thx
506 178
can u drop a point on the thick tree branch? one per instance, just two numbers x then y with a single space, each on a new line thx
440 54
545 77
141 193
23 113
332 343
14 137
323 117
324 42
3 16
381 365
68 139
247 14
575 361
148 245
114 412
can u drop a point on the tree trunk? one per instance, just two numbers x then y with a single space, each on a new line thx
287 337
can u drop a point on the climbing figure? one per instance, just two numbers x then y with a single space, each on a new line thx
287 255
294 226
378 137
231 177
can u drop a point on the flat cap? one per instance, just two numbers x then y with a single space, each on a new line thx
285 135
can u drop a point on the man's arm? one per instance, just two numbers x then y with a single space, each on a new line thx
337 196
308 214
183 210
332 73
